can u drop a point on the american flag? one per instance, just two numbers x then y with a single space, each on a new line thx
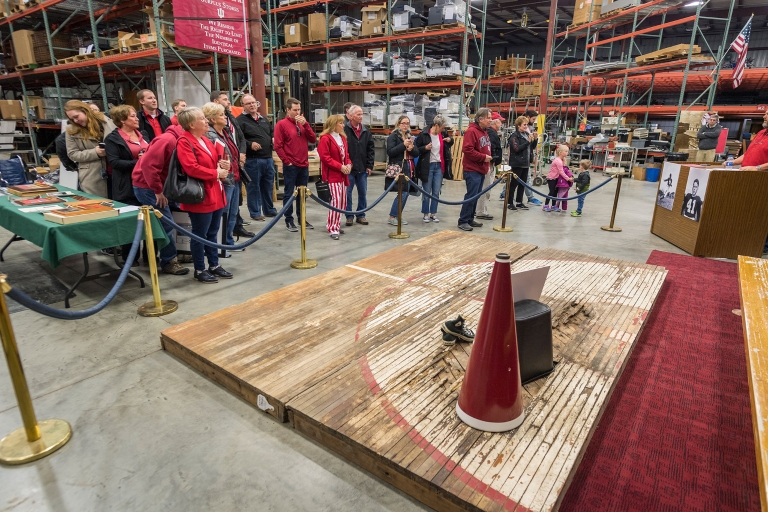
740 46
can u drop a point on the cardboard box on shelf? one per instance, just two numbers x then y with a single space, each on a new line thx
37 104
586 11
166 14
23 47
11 109
296 33
317 27
374 19
125 39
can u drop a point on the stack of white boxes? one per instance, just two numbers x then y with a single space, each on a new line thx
374 109
347 67
402 20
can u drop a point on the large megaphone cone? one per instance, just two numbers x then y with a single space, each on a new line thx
491 396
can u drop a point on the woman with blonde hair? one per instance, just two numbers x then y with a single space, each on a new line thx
220 134
400 151
85 146
335 166
205 161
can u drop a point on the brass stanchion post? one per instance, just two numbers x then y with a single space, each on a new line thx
613 213
303 263
157 307
507 188
34 440
399 234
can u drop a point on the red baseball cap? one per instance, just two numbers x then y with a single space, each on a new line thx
495 116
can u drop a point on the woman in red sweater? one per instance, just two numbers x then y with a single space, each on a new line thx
200 158
335 166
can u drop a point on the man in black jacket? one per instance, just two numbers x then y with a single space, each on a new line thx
259 165
493 134
361 152
152 120
61 151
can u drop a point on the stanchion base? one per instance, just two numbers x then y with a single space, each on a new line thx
400 236
166 306
503 229
303 264
15 449
609 228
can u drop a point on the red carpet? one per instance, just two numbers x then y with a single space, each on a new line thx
677 432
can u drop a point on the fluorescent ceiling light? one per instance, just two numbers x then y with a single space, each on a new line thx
693 4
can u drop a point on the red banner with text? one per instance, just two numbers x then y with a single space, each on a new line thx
211 25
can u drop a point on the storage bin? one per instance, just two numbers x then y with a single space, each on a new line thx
652 173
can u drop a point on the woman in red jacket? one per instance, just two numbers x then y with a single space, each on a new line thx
201 159
335 166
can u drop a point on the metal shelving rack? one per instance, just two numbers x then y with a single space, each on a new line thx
592 94
103 17
415 42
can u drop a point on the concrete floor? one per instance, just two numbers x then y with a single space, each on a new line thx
152 434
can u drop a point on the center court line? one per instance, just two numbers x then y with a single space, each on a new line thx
377 273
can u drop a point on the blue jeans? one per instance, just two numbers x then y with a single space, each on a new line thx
433 186
205 225
581 204
231 210
293 177
393 210
259 190
147 196
359 179
474 182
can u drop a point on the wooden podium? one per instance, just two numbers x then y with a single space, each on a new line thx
733 220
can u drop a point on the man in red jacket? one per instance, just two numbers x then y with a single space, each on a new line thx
293 135
148 178
477 161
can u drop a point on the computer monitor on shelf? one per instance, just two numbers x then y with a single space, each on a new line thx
654 135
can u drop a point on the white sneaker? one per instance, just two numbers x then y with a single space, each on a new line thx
426 219
435 219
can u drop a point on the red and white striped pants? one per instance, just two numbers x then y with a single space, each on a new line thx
338 200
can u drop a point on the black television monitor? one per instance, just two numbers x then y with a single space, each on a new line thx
654 135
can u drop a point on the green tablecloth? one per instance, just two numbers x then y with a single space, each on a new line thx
59 241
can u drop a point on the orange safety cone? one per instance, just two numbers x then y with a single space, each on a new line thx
491 396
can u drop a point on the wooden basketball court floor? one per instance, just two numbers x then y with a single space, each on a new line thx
354 359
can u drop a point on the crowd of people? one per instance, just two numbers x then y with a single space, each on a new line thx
127 156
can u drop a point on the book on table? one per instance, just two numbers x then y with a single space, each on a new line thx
31 189
81 212
36 201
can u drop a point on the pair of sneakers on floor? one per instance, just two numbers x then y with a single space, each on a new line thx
212 275
290 226
430 218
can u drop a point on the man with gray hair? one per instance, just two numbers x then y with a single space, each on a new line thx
362 153
477 161
493 133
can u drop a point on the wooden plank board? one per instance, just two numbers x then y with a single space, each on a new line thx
753 285
284 358
457 155
408 418
377 385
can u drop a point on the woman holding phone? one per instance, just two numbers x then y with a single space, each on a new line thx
124 146
400 151
86 131
202 159
218 133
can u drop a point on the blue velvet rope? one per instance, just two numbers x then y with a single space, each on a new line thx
356 212
235 247
38 307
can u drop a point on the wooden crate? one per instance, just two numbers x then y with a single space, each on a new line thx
458 158
671 52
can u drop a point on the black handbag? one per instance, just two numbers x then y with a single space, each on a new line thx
181 188
323 190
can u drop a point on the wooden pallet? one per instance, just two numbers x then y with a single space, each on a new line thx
291 45
447 26
672 52
25 67
457 158
343 38
613 12
370 36
85 56
312 43
107 53
378 386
